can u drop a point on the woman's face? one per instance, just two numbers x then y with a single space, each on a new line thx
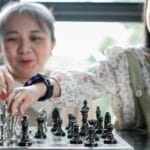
27 46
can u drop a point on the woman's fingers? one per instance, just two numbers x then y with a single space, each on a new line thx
2 83
6 83
20 100
10 83
14 101
25 104
3 95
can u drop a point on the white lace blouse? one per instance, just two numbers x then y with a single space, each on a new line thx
108 76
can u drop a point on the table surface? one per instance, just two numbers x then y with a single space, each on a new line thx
55 142
136 139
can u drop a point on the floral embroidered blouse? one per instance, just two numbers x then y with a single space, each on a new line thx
107 76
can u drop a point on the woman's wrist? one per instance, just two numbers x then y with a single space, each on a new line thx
56 88
40 88
41 78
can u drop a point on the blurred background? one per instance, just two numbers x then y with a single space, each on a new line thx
85 29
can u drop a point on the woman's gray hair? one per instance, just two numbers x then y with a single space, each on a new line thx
36 10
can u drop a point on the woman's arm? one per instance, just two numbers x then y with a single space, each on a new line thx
76 86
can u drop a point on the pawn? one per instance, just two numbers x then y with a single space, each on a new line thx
94 123
91 138
70 130
25 141
109 137
40 131
70 116
59 131
76 137
99 126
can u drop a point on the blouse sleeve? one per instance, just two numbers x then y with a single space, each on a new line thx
77 86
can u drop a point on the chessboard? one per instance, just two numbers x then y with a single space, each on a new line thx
55 142
96 133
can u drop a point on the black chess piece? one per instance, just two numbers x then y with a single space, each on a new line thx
93 123
76 137
99 117
99 129
98 112
109 136
84 112
91 138
70 130
59 131
69 121
107 119
25 140
40 131
55 117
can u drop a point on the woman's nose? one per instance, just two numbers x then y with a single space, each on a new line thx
24 47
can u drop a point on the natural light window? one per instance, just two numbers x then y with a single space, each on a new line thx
83 39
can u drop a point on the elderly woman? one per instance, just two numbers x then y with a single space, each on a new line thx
27 40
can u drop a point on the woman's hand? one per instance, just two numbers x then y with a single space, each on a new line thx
24 97
6 83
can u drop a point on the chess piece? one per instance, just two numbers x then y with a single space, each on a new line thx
98 112
70 130
91 138
13 129
84 112
99 121
8 128
99 129
3 125
43 114
69 121
76 137
3 134
55 117
109 136
25 141
40 131
107 119
59 131
4 113
93 124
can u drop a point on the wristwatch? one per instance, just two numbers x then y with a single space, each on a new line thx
41 77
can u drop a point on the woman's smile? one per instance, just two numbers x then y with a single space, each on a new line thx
26 63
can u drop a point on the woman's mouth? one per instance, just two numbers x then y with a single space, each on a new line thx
25 63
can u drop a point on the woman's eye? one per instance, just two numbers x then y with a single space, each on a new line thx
11 39
35 38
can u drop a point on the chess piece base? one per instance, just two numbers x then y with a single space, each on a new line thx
110 141
75 142
38 136
25 143
91 144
